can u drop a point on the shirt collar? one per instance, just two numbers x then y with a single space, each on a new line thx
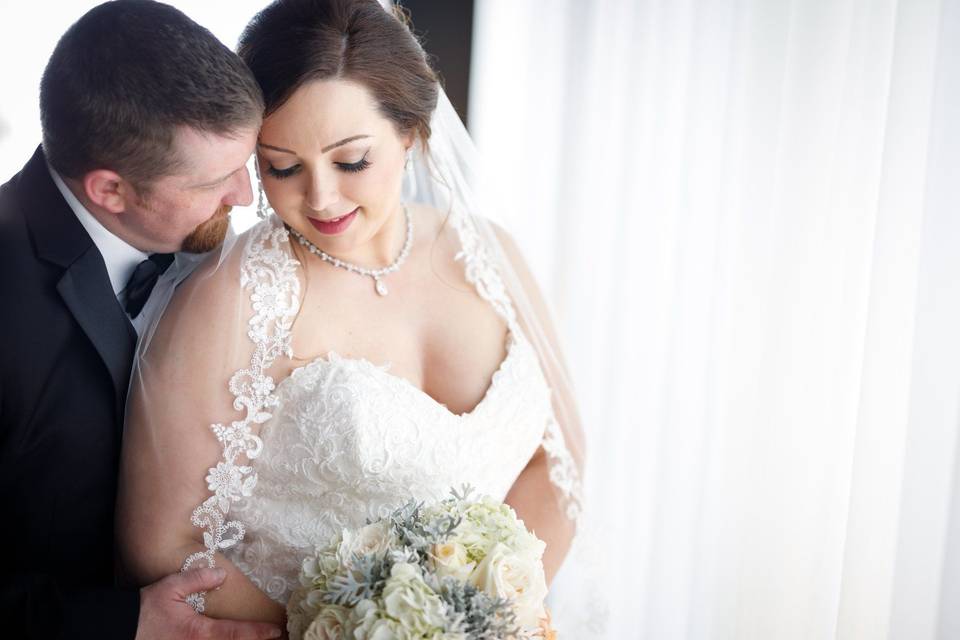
119 257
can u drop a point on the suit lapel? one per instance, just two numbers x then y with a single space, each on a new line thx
85 285
85 288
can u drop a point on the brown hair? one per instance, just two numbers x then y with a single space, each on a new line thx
293 42
125 76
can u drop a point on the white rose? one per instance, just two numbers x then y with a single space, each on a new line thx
332 623
519 577
373 538
450 559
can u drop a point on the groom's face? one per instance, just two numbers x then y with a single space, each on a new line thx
189 210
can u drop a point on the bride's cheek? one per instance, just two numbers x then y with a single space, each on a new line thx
283 197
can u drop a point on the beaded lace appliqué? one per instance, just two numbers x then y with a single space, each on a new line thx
269 273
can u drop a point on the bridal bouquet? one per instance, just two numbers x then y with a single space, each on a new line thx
460 569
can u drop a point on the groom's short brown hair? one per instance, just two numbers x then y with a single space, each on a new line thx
125 76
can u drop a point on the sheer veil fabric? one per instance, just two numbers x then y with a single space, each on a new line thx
214 330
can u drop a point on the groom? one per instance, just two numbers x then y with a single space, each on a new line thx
148 122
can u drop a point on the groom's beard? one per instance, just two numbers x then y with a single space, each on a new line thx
210 234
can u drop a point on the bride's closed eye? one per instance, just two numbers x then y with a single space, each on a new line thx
280 174
354 167
349 167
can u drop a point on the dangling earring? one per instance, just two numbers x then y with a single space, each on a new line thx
263 209
410 176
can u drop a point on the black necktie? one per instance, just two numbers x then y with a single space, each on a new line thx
143 279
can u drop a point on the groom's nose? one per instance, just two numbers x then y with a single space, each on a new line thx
241 193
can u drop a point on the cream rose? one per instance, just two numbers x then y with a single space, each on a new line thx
450 559
519 577
332 623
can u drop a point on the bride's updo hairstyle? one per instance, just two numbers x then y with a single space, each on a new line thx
293 42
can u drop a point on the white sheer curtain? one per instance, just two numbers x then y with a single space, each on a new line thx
746 213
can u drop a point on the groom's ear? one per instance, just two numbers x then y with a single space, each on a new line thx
107 189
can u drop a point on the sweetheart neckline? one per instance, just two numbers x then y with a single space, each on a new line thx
332 357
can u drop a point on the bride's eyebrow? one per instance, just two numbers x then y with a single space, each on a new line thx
343 142
324 150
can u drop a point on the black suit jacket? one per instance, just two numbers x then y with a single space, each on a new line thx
67 348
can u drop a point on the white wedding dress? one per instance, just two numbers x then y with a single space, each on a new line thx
342 441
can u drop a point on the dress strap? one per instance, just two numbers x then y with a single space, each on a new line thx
268 272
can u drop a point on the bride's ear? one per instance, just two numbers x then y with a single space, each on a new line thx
107 189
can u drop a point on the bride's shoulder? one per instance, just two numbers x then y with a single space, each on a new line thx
215 280
219 278
211 309
426 215
437 227
482 229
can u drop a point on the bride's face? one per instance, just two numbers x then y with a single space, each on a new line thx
332 167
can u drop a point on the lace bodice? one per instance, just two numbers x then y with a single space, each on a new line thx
350 442
341 441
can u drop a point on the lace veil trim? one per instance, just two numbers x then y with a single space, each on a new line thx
269 273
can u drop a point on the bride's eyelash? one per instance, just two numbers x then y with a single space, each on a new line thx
354 167
280 174
350 167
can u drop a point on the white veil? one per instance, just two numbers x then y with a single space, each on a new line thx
448 179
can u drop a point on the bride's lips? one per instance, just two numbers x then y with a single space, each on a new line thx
334 225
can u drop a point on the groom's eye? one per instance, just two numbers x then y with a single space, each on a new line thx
280 174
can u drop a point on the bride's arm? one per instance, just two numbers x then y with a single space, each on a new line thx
177 392
534 496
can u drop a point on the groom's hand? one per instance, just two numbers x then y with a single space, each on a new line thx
164 612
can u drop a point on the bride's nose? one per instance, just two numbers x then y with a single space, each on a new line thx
322 193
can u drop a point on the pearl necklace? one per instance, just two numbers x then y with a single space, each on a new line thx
376 274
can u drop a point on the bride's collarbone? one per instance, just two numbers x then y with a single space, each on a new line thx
432 328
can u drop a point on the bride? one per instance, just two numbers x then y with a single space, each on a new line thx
372 339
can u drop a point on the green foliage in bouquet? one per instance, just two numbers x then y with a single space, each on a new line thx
365 581
475 613
424 571
419 533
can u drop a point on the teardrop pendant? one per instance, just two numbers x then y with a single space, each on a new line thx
381 287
